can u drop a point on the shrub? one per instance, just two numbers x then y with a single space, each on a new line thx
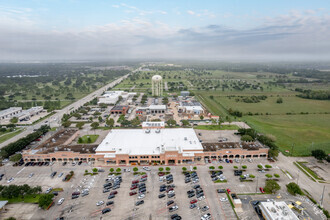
235 167
268 166
45 200
211 167
220 167
118 170
135 169
277 175
94 170
167 169
259 166
244 167
161 169
184 169
111 170
269 175
294 189
252 176
194 168
319 154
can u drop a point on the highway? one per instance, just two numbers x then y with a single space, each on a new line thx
55 120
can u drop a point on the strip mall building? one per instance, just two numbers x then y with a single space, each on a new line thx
147 146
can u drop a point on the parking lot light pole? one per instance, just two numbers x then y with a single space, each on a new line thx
257 184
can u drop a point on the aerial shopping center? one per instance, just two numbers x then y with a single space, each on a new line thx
153 144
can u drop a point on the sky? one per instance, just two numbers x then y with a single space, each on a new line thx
281 30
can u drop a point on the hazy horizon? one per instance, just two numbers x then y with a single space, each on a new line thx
250 31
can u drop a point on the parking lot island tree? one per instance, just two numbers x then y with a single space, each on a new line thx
269 176
194 168
244 167
235 167
160 169
260 166
112 169
94 170
184 169
220 167
135 169
118 170
211 167
45 200
168 169
272 186
276 175
268 166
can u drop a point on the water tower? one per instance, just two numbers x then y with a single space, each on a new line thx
157 85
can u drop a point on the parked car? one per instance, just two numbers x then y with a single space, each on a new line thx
111 196
61 174
173 208
139 202
60 201
161 196
99 203
106 210
109 203
261 190
193 201
31 175
228 191
74 196
169 202
132 193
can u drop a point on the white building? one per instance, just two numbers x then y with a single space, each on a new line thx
10 113
153 124
191 107
277 211
144 145
112 97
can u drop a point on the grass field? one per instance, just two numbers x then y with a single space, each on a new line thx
7 136
26 199
85 139
291 104
216 127
301 130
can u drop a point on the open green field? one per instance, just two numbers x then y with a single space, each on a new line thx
291 104
26 199
300 130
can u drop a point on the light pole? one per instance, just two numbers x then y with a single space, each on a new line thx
298 176
257 184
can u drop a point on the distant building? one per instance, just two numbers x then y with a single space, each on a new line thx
277 210
191 108
152 109
10 113
112 97
185 93
119 109
153 125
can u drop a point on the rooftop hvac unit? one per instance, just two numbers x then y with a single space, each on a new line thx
185 138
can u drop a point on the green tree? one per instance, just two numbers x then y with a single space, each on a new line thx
110 122
244 167
246 138
135 122
220 167
161 169
185 123
95 125
10 218
194 168
211 167
294 189
14 120
95 170
111 170
171 122
268 166
279 100
167 169
118 170
89 140
252 176
66 124
100 119
271 186
45 200
184 169
135 169
319 154
269 175
80 124
80 140
201 117
86 171
236 167
260 166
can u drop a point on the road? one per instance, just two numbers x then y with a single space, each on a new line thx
55 120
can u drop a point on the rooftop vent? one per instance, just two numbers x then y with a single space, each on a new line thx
185 138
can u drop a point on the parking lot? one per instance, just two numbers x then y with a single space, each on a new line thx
124 205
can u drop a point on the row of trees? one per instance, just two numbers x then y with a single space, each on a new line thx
14 191
20 144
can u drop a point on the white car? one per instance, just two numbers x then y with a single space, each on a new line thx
31 175
223 199
141 196
60 201
171 192
206 216
61 174
128 170
10 180
99 203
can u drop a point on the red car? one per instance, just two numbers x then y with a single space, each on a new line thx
132 193
160 174
133 187
113 193
228 191
231 161
135 181
144 176
193 201
169 189
261 190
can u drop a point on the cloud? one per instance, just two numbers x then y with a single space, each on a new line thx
293 36
133 9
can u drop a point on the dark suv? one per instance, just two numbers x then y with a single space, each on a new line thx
106 210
